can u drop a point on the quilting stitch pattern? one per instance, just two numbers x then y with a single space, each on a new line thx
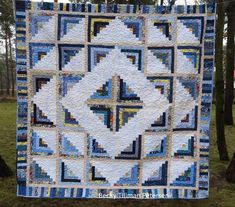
113 100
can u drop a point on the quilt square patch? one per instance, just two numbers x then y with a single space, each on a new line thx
111 29
113 100
160 60
161 30
72 144
42 56
43 106
71 57
43 142
71 28
42 27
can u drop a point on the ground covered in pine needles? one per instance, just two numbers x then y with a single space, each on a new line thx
222 193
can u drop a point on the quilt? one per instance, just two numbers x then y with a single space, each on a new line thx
114 101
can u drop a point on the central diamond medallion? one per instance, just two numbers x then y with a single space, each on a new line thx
120 91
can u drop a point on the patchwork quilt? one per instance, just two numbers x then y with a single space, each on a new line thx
114 101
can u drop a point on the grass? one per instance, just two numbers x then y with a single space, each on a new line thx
222 193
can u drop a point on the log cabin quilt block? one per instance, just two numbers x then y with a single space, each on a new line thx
114 101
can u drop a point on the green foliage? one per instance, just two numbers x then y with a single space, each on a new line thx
7 76
221 192
6 17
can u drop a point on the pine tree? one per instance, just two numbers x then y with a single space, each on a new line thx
219 82
230 53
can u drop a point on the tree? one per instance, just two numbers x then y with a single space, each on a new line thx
2 69
12 67
219 82
229 92
6 23
229 95
230 172
7 60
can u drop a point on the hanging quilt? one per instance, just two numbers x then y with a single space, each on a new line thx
114 101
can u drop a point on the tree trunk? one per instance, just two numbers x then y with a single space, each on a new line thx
229 92
219 83
7 64
1 83
12 70
230 172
